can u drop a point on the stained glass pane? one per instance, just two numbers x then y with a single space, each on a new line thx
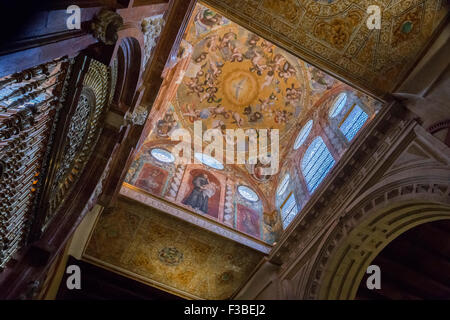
354 123
316 164
289 218
283 185
289 210
338 105
303 135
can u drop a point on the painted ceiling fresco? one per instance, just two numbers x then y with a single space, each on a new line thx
233 79
334 35
166 252
239 80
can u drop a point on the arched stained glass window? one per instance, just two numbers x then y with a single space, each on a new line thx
289 210
316 163
338 105
303 135
353 122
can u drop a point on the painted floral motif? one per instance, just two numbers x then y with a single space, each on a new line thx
337 32
288 9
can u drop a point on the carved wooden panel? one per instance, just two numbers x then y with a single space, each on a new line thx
82 129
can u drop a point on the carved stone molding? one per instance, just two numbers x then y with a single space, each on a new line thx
362 233
147 199
151 28
106 25
138 117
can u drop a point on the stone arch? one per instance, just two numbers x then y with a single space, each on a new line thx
365 229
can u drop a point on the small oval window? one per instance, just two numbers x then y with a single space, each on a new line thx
209 161
162 155
248 193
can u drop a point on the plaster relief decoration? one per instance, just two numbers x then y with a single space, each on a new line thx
334 34
235 79
151 28
138 116
105 26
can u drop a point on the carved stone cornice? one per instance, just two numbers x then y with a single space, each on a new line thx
138 117
395 177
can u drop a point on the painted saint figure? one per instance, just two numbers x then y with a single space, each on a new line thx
198 199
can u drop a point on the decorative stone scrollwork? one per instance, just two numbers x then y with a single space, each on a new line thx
106 25
138 117
151 28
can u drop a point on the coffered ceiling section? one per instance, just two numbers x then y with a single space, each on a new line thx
163 251
334 34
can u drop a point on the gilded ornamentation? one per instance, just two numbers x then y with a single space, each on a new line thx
170 256
330 35
151 27
161 249
84 130
225 277
338 31
287 9
138 117
29 99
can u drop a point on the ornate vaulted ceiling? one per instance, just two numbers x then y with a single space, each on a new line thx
230 78
333 34
239 80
